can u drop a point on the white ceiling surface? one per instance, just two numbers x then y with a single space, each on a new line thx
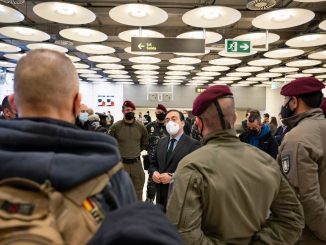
105 56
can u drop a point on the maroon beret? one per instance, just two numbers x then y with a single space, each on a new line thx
302 85
323 105
161 107
128 103
208 96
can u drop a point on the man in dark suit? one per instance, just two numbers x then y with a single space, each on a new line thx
169 151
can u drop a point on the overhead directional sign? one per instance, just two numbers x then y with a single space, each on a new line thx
167 45
237 46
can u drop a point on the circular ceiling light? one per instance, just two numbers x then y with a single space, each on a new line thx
297 75
309 40
235 55
89 75
239 74
24 33
180 68
215 68
211 16
322 25
257 79
64 13
144 60
303 63
258 38
208 73
240 85
202 78
127 35
110 66
211 37
145 67
318 55
220 82
321 77
95 49
284 69
225 61
8 48
85 35
138 14
260 4
177 73
86 71
80 66
115 72
269 74
145 72
175 77
185 61
10 15
230 78
119 76
264 62
283 18
171 84
73 58
250 69
146 80
47 46
282 80
247 82
315 70
123 80
261 85
123 83
172 81
194 54
128 50
147 77
7 64
17 56
104 59
283 53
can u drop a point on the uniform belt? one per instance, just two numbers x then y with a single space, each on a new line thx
130 160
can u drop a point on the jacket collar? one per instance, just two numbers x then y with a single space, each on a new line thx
221 135
293 121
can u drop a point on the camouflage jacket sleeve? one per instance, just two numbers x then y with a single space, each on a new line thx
286 221
184 207
112 130
303 175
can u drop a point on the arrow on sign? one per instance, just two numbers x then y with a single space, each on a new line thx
141 46
245 46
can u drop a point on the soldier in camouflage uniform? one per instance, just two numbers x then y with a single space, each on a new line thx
156 130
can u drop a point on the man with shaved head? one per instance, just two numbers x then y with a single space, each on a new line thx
228 192
45 146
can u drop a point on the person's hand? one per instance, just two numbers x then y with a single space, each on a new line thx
165 178
156 177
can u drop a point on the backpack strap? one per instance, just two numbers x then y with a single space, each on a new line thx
78 194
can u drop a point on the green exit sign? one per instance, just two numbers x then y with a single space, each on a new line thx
237 46
200 90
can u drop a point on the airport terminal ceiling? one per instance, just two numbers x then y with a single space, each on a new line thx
297 41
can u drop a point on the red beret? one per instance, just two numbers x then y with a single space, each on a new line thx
302 85
323 105
128 103
161 107
208 96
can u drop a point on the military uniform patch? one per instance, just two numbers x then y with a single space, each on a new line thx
286 164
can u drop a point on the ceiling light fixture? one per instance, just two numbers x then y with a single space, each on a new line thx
13 1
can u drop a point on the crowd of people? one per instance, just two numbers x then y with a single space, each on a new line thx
72 176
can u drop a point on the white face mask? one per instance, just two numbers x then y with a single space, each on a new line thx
83 117
172 128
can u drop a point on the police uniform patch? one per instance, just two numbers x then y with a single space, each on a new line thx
286 164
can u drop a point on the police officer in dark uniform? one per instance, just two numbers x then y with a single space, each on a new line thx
156 130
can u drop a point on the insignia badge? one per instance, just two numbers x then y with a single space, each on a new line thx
152 129
93 208
286 164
